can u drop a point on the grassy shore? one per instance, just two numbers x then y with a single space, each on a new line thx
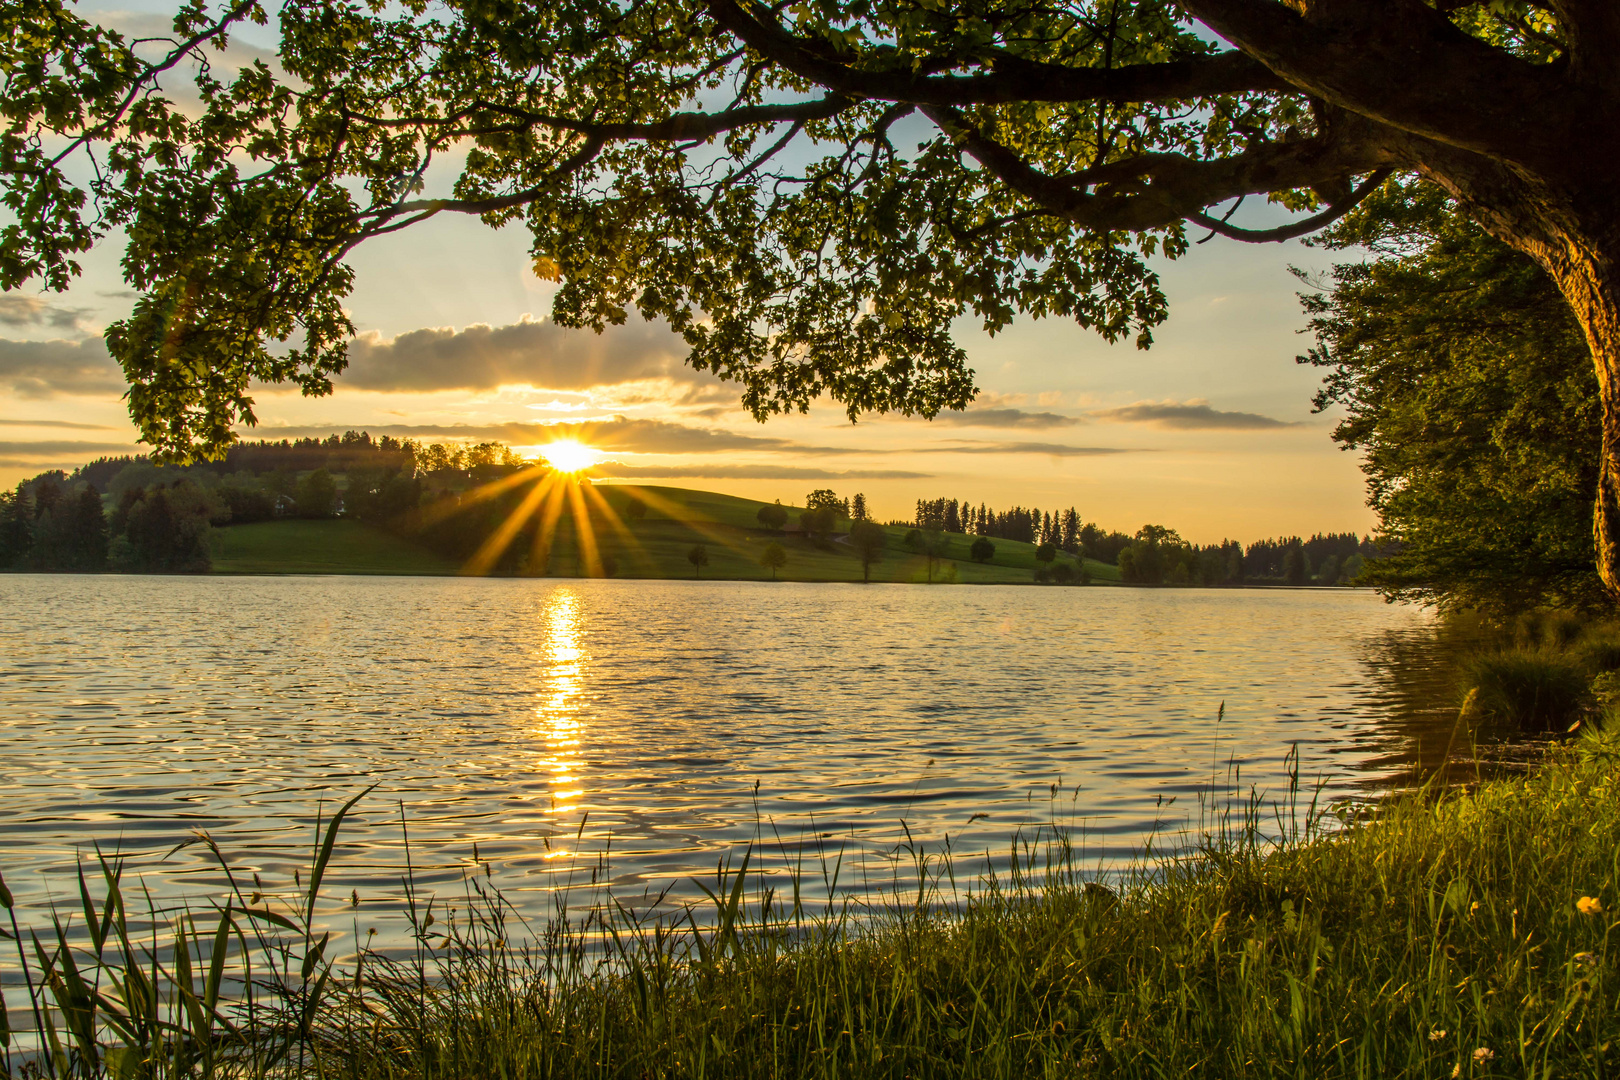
653 546
1461 936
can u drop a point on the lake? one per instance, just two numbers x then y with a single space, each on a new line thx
634 732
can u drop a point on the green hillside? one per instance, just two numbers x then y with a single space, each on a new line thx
654 546
335 546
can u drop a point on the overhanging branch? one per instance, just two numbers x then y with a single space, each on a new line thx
1010 79
1298 228
1150 193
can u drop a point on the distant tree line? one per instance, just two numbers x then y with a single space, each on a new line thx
56 523
1154 554
132 514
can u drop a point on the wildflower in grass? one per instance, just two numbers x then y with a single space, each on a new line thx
1583 958
1437 1034
1456 1071
1589 905
1483 1054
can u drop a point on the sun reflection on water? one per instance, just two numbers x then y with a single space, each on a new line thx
559 715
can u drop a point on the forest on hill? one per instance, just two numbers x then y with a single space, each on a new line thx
128 513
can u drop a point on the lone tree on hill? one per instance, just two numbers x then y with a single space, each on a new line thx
982 550
869 539
699 558
810 194
773 516
774 557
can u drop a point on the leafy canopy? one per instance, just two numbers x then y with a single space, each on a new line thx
810 193
1469 392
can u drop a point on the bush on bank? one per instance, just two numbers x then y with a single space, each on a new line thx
1461 935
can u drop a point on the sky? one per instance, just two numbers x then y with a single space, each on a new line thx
1210 432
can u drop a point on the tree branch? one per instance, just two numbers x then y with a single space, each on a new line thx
1404 64
677 127
1011 79
1296 228
141 84
421 209
1593 30
1137 194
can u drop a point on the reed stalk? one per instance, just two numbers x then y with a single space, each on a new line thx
1461 933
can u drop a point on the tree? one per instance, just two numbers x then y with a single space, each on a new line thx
982 550
317 495
1149 556
1070 539
167 529
773 516
868 538
819 523
634 508
824 499
1234 565
1056 149
16 526
774 556
858 511
1470 396
1046 552
1329 572
1296 567
699 558
72 535
934 546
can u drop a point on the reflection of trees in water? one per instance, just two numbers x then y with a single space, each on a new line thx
1414 691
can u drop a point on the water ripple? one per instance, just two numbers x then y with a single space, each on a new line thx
546 721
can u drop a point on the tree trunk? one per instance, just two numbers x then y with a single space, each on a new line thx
1597 306
1587 271
1570 224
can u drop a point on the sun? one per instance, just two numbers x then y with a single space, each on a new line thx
569 455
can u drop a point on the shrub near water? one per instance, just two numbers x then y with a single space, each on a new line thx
1461 936
1536 689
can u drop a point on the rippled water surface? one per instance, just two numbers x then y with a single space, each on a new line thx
638 731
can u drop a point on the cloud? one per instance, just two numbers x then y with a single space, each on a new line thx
53 452
1194 415
43 369
544 354
613 434
1054 449
12 421
20 311
1006 418
747 472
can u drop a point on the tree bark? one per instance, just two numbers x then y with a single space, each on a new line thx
1573 231
1587 276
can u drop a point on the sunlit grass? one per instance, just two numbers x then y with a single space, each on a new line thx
1465 935
552 493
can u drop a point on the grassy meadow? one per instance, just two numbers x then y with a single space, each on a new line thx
334 546
654 546
1467 933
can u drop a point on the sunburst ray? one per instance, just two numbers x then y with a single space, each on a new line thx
706 527
447 508
584 534
495 545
